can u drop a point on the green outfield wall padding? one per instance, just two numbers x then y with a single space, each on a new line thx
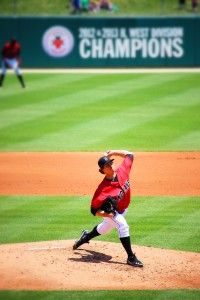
77 42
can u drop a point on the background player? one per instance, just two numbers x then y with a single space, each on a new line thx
11 58
115 184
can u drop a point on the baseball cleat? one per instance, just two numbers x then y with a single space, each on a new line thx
82 240
133 261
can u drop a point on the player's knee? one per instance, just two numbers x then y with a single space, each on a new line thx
17 72
103 229
123 230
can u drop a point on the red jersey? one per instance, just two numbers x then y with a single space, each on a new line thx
11 50
120 189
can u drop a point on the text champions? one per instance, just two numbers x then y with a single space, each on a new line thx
130 43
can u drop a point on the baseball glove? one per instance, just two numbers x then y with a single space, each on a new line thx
109 205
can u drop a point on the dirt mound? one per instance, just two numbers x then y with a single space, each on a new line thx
95 266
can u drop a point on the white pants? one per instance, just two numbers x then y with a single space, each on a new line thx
12 63
118 221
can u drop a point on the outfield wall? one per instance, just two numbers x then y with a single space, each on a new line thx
79 42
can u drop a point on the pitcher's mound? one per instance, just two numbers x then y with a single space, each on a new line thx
96 266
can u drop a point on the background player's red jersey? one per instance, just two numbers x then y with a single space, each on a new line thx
11 50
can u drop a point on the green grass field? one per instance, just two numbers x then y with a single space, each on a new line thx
95 112
124 7
169 222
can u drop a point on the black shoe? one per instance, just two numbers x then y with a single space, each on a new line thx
82 240
133 261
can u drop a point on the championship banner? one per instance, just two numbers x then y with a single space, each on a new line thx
106 42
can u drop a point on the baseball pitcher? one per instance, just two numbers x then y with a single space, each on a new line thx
111 200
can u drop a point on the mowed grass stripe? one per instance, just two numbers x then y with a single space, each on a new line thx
54 100
170 126
126 123
124 112
179 294
45 87
167 222
103 131
188 141
165 234
32 215
36 84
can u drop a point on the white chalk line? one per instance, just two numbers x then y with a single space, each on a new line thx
112 71
45 248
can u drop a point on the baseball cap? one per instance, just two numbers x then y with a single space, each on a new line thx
104 161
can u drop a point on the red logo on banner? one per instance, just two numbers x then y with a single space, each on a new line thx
58 41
